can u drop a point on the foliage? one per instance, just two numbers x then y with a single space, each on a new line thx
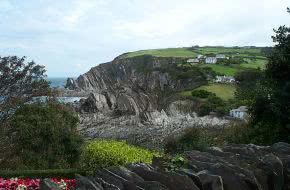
192 139
57 173
173 162
106 153
213 104
200 138
19 82
201 93
223 91
45 136
247 83
257 63
270 110
23 184
238 133
143 64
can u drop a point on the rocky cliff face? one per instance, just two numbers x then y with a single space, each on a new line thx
129 96
133 84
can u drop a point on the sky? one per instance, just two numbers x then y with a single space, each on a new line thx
71 36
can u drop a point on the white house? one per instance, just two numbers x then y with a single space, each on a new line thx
240 113
211 60
224 79
193 61
200 56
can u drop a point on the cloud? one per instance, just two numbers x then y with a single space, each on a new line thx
80 10
70 36
5 5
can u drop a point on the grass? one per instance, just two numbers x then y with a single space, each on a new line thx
229 50
259 61
224 91
254 64
222 69
169 52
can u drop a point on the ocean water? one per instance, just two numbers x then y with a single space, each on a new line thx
58 82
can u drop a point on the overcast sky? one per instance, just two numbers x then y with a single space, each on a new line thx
71 36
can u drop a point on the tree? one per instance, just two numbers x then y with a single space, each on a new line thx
247 83
45 136
19 82
271 107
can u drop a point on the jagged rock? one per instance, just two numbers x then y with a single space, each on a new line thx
169 179
71 84
238 167
85 183
209 181
152 185
47 184
194 177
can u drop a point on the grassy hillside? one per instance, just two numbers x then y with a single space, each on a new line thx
248 58
224 91
253 56
192 52
222 69
169 52
254 64
229 51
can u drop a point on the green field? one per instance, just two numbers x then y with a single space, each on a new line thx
224 91
252 55
187 52
222 69
229 51
254 64
169 52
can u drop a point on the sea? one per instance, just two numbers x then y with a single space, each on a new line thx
57 82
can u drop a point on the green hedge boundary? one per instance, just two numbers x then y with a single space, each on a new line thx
57 173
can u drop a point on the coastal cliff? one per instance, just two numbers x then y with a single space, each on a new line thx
132 97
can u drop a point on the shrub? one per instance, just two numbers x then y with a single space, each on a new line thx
193 138
213 103
56 173
106 153
197 138
201 93
45 136
238 133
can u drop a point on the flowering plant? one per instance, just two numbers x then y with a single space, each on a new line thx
33 184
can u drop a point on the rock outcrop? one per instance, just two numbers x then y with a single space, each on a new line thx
133 85
135 99
239 167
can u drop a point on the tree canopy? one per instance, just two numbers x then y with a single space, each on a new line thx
271 107
19 82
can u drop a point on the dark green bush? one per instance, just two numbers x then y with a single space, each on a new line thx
58 173
213 104
193 138
45 136
197 138
106 153
238 133
201 93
